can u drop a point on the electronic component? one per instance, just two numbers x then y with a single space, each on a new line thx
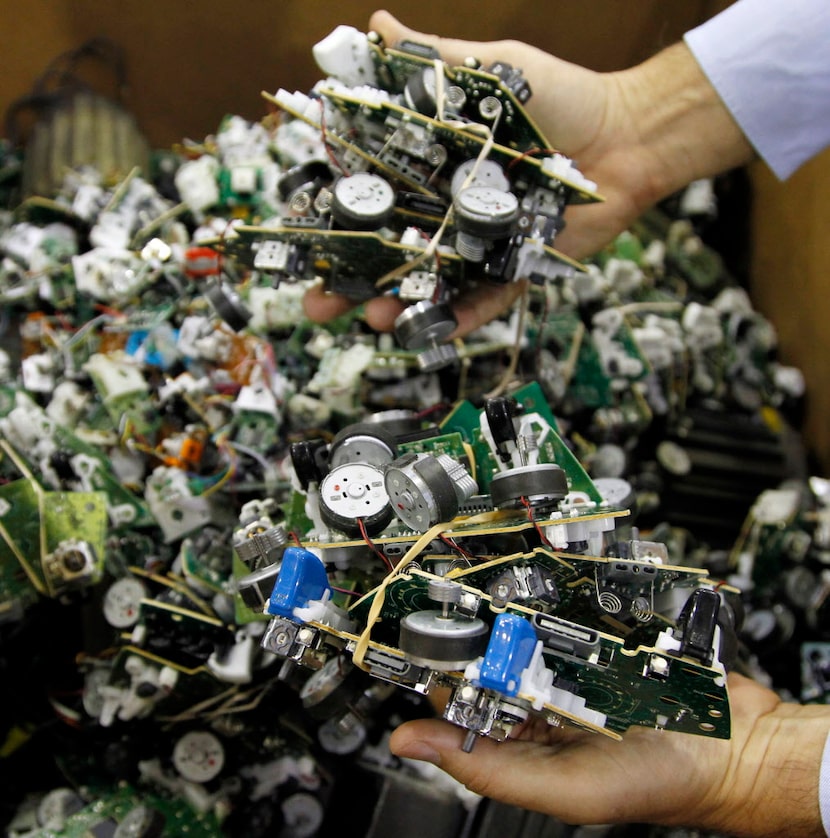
456 545
424 490
423 326
198 756
353 496
362 201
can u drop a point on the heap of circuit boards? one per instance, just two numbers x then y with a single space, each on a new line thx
504 572
432 177
264 525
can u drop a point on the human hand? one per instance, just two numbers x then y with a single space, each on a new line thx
573 112
639 134
762 781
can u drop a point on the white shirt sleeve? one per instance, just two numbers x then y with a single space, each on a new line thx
769 61
824 786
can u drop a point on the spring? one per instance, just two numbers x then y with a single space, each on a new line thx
609 602
641 610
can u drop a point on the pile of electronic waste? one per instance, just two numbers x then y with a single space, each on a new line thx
230 536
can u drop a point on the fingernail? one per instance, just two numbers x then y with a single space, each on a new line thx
420 751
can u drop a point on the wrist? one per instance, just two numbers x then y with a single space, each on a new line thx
684 128
771 787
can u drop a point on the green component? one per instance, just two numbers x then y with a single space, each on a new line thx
58 538
17 592
114 805
134 408
451 444
691 698
211 568
296 520
580 582
508 522
93 469
256 429
465 420
348 259
515 130
588 385
232 193
628 246
20 528
460 144
74 530
395 67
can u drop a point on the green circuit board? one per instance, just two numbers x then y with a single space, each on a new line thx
352 259
465 420
462 143
611 675
112 806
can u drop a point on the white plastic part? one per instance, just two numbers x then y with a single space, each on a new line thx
115 375
197 183
699 198
562 168
198 756
67 403
177 511
113 229
38 372
276 308
325 612
122 602
345 54
235 666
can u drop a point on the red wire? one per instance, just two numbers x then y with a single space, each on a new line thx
530 153
335 162
371 544
529 508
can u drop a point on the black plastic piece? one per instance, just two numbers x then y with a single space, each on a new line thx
513 80
698 619
421 50
347 446
430 205
500 412
500 261
228 305
308 459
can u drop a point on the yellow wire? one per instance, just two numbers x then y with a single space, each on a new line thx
362 645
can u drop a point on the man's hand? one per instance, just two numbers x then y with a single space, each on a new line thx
639 134
762 781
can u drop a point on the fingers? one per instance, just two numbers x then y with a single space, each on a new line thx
380 313
320 306
498 770
482 304
473 309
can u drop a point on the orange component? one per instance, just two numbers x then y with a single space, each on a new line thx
200 262
191 452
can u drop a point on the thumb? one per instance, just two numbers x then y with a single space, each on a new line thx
491 769
452 50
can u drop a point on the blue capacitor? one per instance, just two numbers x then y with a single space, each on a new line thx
509 651
302 579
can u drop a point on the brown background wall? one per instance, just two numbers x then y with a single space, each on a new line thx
189 63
